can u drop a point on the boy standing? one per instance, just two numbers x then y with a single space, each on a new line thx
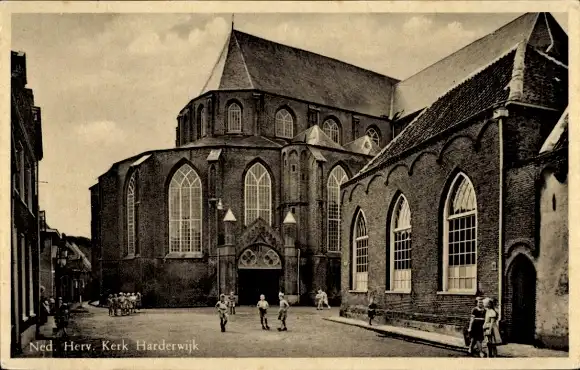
110 304
232 303
222 308
372 310
324 299
263 308
282 313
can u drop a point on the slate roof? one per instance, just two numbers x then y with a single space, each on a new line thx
423 88
250 62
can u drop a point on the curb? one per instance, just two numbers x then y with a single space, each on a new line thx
408 338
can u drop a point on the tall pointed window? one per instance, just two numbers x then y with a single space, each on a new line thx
185 211
360 256
258 194
234 118
374 135
131 197
284 124
400 258
335 179
330 128
460 244
202 122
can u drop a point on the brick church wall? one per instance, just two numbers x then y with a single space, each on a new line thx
426 189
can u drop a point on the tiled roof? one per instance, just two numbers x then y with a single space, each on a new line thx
422 89
250 62
315 136
484 89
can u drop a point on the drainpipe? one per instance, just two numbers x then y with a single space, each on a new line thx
500 114
298 274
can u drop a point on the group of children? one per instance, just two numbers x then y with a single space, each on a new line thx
125 303
223 306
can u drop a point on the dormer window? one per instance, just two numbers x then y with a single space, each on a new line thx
234 118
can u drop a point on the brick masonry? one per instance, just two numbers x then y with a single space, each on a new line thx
193 281
424 177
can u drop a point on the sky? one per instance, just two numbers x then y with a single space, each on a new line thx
110 86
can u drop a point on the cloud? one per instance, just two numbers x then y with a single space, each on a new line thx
100 133
417 24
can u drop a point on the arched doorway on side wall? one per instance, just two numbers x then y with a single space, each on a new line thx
523 298
259 272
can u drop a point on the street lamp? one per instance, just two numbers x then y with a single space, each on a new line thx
61 260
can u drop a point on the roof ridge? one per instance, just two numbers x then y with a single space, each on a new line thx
243 58
473 42
469 77
224 48
321 55
549 57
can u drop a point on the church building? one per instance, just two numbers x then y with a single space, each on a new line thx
295 172
248 200
470 198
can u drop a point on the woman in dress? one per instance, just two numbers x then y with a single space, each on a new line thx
475 329
491 328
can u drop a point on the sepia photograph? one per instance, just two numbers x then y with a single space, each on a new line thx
288 185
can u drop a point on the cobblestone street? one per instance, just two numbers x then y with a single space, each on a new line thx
197 331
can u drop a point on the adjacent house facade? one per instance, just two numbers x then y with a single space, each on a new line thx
458 205
26 152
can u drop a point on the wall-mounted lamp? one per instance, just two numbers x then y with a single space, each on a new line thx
219 205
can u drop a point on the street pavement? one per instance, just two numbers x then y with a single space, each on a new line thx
195 332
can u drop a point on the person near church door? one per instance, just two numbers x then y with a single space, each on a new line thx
283 312
222 309
263 309
232 303
475 329
491 328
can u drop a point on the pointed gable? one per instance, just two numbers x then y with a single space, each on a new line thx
316 136
423 88
363 145
250 62
230 71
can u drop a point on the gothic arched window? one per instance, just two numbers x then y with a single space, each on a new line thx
234 118
374 135
360 255
258 194
185 211
460 238
131 198
331 128
284 124
335 179
400 251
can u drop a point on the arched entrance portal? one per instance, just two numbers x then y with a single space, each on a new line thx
523 280
259 272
